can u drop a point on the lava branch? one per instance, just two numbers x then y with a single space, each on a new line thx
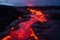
25 29
38 15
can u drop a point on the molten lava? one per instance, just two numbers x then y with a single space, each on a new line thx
25 31
6 38
38 15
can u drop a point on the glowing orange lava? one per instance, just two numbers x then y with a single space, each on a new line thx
6 38
25 31
38 15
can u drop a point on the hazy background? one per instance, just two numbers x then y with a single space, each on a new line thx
30 2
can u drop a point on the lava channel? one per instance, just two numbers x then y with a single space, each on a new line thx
25 31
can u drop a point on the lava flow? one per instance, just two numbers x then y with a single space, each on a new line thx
25 31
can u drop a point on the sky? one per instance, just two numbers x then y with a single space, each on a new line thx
30 2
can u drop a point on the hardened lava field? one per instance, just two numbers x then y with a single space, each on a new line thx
31 24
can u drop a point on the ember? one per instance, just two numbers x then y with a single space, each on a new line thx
25 31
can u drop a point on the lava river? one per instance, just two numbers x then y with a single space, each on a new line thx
25 32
